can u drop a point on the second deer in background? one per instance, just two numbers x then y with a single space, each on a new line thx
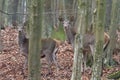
88 39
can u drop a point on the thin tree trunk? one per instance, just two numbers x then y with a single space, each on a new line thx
64 10
15 9
53 4
74 11
93 15
21 9
6 10
108 13
77 64
113 28
2 14
76 73
35 39
88 15
1 22
97 57
0 41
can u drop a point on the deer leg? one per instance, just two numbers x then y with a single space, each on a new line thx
25 65
84 61
26 60
48 57
55 58
92 49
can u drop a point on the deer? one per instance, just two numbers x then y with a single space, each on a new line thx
48 50
88 39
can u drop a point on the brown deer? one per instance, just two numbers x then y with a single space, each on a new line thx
88 39
48 50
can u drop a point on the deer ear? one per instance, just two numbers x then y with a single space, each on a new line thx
15 23
61 19
71 18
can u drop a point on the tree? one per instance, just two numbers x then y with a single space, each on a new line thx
97 57
0 27
6 2
22 11
1 22
88 14
78 48
113 28
108 13
35 18
15 9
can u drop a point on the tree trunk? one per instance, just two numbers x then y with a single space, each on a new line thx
77 64
2 14
88 14
21 9
113 28
97 57
15 9
76 73
1 22
35 39
93 15
108 13
5 10
54 8
64 9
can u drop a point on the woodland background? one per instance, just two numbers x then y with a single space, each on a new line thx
14 13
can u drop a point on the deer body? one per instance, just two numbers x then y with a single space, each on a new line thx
88 40
48 49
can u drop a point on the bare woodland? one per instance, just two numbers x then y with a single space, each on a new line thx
59 39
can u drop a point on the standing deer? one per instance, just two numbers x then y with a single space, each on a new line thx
88 39
48 50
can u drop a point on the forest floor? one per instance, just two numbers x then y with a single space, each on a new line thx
11 61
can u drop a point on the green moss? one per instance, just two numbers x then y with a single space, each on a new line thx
59 34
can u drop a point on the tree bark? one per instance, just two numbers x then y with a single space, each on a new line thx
1 22
77 64
113 28
88 14
99 37
35 39
15 9
108 14
76 73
